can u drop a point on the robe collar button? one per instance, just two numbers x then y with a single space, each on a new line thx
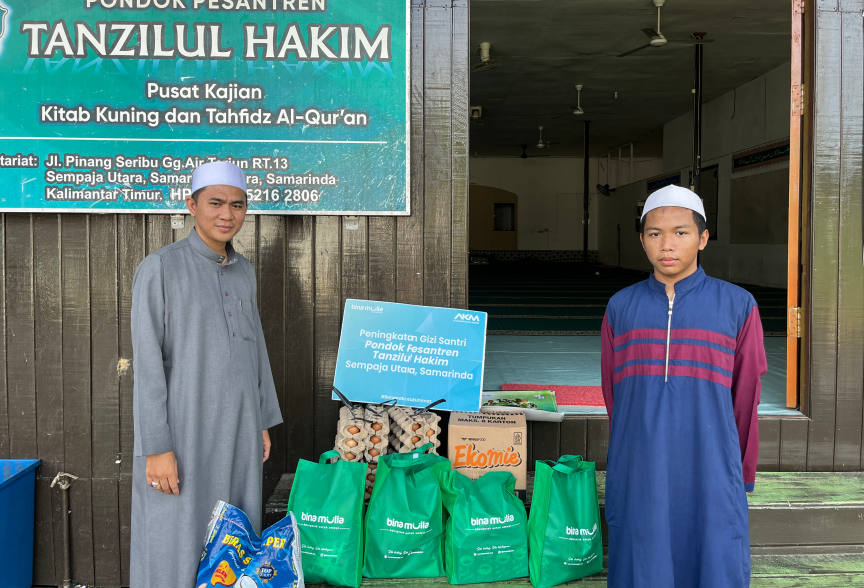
229 314
226 293
235 334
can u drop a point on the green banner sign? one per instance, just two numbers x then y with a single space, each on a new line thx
108 105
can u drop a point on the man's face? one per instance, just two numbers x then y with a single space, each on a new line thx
672 241
219 212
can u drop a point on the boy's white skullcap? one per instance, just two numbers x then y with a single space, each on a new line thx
674 196
218 173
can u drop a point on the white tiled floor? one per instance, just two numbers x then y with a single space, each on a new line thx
556 359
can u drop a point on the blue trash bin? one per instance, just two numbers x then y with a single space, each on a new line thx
17 497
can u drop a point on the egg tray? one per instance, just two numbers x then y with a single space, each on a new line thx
343 448
410 423
377 415
369 484
349 419
402 442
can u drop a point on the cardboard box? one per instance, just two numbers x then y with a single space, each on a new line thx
489 442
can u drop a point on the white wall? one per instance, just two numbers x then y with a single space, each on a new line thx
752 115
550 210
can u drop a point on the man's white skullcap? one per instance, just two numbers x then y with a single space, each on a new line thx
674 196
218 173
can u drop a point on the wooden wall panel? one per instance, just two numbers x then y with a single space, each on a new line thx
105 413
159 233
438 206
574 436
825 234
4 397
131 243
459 156
299 410
382 258
20 368
598 441
76 389
546 441
328 315
270 271
850 305
409 229
793 445
48 340
355 263
769 445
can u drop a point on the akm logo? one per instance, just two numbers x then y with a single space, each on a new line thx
464 317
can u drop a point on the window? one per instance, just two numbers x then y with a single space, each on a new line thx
505 215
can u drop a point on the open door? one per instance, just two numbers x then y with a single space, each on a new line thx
793 321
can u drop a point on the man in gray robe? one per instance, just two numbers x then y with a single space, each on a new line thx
204 394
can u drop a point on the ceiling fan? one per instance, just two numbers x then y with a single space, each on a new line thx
541 144
657 39
486 61
525 153
578 110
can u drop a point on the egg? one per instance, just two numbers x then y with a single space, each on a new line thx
353 430
372 466
415 426
375 440
351 443
376 427
371 477
430 432
415 439
373 452
349 456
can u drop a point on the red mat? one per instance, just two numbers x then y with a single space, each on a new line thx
566 395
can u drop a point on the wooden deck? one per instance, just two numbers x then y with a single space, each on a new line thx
769 571
790 512
806 531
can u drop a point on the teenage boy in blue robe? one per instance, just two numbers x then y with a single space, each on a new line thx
682 357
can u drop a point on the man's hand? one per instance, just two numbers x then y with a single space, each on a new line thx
162 468
266 435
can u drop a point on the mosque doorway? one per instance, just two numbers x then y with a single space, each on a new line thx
552 81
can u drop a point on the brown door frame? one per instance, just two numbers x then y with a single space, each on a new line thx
794 255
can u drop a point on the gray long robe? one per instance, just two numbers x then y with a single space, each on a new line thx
204 390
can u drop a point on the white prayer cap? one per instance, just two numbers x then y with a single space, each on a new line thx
674 196
218 173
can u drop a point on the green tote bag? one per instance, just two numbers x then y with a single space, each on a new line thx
486 536
327 501
405 517
564 525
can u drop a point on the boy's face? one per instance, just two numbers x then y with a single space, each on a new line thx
672 241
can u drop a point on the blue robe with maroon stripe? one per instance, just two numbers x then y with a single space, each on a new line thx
683 446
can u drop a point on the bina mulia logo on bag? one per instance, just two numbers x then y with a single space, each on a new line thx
492 520
334 520
407 525
582 532
464 317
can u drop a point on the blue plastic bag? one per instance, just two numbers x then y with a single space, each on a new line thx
234 555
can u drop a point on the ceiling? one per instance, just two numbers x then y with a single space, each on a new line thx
548 46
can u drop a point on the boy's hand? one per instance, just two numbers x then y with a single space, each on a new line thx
162 469
266 435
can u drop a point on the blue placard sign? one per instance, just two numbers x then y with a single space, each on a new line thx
414 354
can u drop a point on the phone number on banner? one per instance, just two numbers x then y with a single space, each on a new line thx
284 194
